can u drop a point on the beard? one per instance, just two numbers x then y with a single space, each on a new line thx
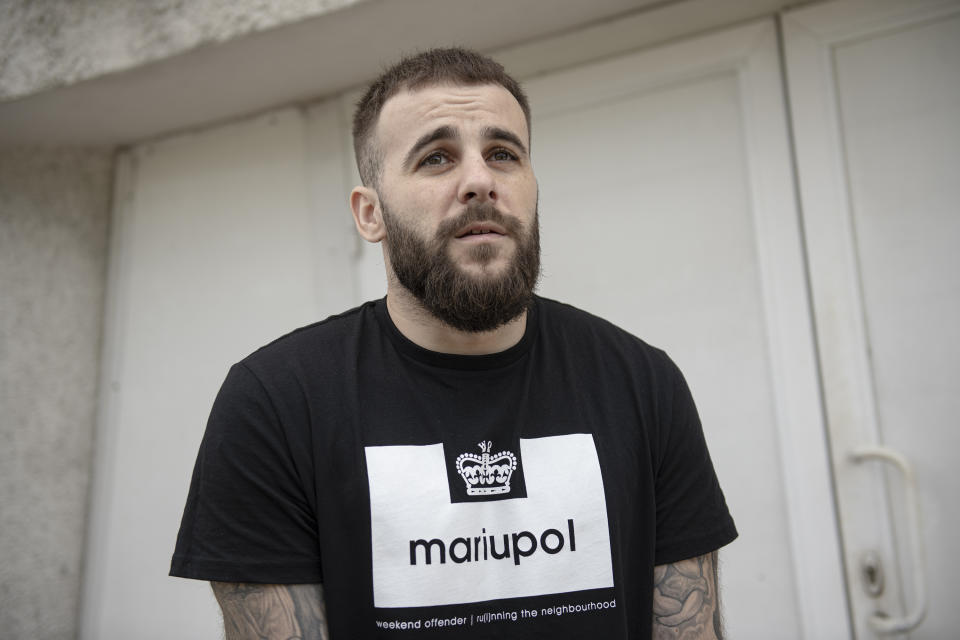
465 301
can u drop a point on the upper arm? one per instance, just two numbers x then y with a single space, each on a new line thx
686 599
251 514
272 611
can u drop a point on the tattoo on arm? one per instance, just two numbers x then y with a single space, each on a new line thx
686 600
272 611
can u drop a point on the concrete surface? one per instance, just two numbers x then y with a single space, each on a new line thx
51 43
296 62
54 212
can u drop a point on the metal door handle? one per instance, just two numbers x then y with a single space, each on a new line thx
880 623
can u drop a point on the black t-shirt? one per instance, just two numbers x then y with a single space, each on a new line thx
523 494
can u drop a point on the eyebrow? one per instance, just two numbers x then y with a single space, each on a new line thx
440 133
447 132
496 133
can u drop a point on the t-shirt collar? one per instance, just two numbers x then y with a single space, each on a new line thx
457 361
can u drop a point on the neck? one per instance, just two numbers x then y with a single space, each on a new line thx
423 329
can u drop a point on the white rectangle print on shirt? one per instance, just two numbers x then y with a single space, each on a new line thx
428 551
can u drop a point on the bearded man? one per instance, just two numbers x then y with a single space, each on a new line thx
461 459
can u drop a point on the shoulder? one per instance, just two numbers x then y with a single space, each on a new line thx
572 328
309 365
315 356
560 317
327 337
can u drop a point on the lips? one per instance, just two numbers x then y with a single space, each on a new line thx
481 228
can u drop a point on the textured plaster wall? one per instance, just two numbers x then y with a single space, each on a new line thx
51 43
54 212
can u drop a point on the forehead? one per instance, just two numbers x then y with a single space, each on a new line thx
409 114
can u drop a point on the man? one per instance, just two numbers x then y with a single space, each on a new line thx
462 459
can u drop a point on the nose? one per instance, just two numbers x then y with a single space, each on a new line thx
478 182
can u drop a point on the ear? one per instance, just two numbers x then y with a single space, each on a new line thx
365 204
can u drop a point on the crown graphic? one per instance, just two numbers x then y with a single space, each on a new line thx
488 473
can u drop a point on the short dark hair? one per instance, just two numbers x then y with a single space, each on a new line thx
436 66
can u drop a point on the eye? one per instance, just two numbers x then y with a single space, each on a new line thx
435 159
502 155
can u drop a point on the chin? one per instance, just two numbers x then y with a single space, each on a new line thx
485 270
484 259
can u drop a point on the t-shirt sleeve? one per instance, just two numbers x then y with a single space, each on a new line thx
692 514
248 516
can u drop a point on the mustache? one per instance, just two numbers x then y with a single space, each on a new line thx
479 212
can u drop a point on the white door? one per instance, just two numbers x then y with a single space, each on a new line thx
668 206
875 96
222 240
